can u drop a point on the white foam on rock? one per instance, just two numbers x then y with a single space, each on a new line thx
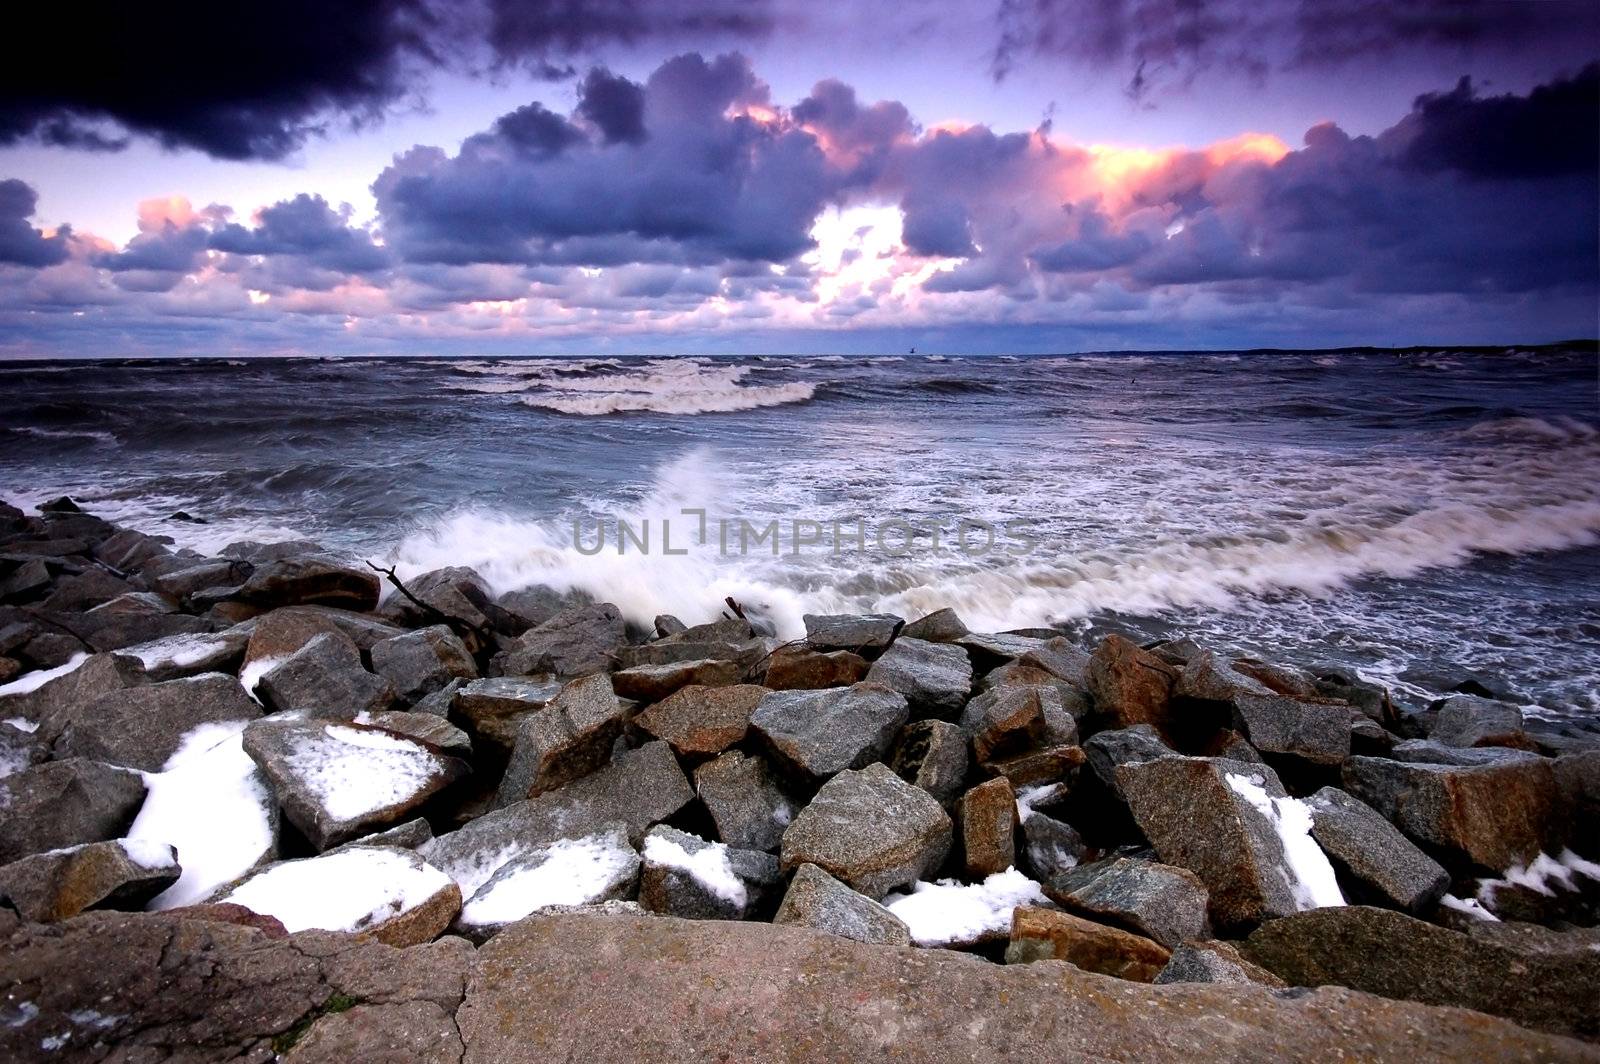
354 772
1307 870
351 890
1468 907
210 803
1538 874
32 681
573 872
948 912
708 866
251 674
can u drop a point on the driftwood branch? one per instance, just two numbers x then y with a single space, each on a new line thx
459 625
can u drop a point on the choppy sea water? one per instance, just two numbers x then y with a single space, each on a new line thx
1420 517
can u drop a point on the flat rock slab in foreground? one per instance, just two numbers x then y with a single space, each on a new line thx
146 987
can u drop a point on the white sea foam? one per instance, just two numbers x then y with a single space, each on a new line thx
666 386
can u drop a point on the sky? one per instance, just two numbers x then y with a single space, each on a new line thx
762 176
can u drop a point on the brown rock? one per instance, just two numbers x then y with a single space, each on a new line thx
494 708
988 819
652 683
60 884
702 720
1039 934
798 668
1129 685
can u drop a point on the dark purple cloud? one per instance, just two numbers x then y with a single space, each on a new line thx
21 243
613 105
1157 44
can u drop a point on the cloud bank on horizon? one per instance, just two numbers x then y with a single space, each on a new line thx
691 210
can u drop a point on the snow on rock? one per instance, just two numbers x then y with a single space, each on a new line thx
709 867
598 867
174 655
950 913
1307 870
338 781
147 853
211 804
251 674
32 681
1538 874
1468 907
358 889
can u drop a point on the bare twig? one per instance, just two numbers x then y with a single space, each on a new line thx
459 625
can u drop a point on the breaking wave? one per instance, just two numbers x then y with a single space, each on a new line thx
666 386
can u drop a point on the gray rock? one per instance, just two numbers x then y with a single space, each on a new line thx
530 607
1061 658
1318 733
746 800
200 574
1123 746
407 836
455 591
639 789
815 734
935 678
337 782
419 663
591 868
534 998
747 654
991 649
870 829
1207 678
19 749
575 642
1214 962
703 720
60 884
1374 860
141 727
1466 720
1051 847
1539 978
58 702
1428 752
1161 902
426 727
85 591
932 754
668 625
1492 816
186 655
275 636
442 702
258 553
818 901
652 683
940 626
324 679
309 580
1196 819
872 631
1010 720
65 803
494 707
569 738
684 875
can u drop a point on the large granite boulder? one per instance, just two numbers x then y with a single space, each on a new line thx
1039 934
1539 978
818 901
854 632
1233 825
987 815
324 678
1374 861
309 580
336 782
690 987
65 803
652 683
932 754
575 642
419 663
1214 962
142 726
1162 902
1123 746
684 875
1009 720
746 799
815 734
935 678
1128 685
186 655
569 738
940 626
1491 816
494 707
702 720
870 829
1318 733
799 668
1466 720
60 884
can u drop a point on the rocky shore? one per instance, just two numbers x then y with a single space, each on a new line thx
270 804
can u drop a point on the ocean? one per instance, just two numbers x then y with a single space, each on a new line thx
1420 517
